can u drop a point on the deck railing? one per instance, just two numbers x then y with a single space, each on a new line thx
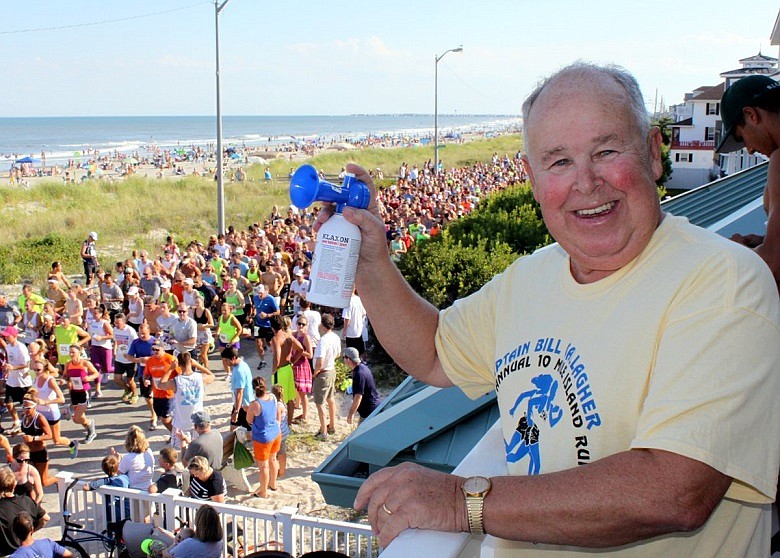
256 529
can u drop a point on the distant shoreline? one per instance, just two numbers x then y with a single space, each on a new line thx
115 168
63 138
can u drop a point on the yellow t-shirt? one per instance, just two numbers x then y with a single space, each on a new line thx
676 351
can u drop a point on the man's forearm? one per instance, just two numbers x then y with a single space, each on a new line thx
626 497
404 322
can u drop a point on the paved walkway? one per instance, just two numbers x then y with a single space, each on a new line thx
112 419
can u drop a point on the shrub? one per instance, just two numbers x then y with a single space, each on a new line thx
442 270
30 259
467 254
510 217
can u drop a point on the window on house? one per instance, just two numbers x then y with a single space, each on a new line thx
713 108
709 133
683 157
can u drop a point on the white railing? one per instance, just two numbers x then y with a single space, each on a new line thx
256 529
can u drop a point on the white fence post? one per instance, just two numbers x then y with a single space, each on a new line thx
285 517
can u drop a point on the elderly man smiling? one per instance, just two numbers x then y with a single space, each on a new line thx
634 362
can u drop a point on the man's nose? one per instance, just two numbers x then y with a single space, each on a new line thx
587 179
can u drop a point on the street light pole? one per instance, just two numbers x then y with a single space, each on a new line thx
436 108
220 184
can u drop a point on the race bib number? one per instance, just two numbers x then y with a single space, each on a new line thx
63 349
121 349
77 384
224 338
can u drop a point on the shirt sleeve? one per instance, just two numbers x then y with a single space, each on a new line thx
703 389
465 340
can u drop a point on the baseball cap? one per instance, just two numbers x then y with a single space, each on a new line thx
352 354
299 273
132 290
10 330
742 94
278 256
189 281
93 234
260 288
200 418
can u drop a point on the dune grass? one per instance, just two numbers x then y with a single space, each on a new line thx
49 220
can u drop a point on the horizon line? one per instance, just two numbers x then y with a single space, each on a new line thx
510 115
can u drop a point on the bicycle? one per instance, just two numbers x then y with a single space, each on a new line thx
74 535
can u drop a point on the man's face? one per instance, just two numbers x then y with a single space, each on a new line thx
755 136
593 175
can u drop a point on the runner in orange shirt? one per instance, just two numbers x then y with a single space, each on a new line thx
156 367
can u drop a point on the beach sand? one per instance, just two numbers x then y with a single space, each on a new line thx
113 419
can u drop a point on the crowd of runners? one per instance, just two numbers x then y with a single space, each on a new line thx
145 320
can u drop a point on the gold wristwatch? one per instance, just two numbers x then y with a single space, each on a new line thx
475 489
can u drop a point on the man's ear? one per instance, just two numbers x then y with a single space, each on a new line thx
530 173
752 115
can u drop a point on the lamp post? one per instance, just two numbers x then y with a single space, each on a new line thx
436 108
220 184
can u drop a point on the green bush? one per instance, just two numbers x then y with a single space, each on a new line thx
442 270
510 217
30 259
472 250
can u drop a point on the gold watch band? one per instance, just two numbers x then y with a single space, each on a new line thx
474 506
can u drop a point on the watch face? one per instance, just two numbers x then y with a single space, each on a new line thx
476 485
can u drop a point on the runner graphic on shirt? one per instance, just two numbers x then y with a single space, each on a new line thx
525 439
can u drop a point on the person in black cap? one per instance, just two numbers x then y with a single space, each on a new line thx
750 110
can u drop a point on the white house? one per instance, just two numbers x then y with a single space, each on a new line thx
694 136
697 128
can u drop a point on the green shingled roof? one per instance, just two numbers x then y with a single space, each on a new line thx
713 203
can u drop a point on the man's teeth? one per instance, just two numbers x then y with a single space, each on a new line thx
596 210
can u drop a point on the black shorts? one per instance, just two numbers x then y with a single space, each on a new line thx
357 343
145 391
241 420
78 398
265 333
40 456
124 369
163 407
15 394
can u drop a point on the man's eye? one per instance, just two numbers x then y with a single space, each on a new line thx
560 163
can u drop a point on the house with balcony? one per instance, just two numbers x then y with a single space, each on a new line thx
697 128
694 136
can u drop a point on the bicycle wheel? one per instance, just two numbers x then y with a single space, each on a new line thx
76 548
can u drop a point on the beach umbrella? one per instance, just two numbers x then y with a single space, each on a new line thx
24 160
235 155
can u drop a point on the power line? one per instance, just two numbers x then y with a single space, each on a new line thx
93 23
475 90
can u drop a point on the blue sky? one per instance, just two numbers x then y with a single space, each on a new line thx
344 56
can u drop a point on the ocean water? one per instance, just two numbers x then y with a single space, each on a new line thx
62 138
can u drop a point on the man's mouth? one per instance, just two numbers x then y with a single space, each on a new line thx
604 208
